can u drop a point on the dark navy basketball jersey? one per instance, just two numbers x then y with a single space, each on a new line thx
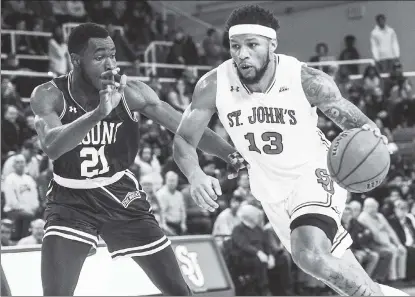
111 146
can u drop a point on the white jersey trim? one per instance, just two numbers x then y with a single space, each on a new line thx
91 183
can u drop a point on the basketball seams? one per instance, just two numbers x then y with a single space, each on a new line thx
344 150
363 160
377 175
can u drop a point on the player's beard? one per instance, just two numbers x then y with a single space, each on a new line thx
259 74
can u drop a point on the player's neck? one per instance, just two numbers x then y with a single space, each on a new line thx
267 79
84 92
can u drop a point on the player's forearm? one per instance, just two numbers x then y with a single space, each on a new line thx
346 115
215 145
58 141
185 156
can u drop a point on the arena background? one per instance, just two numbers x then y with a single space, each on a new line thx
150 47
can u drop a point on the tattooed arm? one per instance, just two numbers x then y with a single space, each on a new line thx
321 91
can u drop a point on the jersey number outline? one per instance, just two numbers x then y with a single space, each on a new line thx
323 178
274 147
96 156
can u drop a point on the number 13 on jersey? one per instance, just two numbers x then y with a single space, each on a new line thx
272 143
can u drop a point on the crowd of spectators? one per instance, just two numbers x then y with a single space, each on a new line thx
381 222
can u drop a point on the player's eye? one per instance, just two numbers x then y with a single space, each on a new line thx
252 44
113 56
99 58
235 46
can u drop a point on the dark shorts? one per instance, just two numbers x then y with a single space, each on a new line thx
119 213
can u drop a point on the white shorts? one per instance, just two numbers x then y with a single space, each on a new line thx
313 193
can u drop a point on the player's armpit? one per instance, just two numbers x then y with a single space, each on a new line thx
57 139
321 91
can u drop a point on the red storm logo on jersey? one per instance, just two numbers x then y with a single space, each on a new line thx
190 266
130 197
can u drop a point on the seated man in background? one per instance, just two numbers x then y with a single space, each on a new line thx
381 272
36 233
385 238
280 276
250 251
403 228
361 238
6 232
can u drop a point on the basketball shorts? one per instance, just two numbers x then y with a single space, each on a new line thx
119 213
314 192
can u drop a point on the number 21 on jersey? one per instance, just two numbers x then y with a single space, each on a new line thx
95 158
273 143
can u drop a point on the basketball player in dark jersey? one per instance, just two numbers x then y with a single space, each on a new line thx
86 125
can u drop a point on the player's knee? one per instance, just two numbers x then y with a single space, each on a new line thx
311 241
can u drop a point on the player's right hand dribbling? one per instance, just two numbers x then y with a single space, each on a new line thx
112 91
205 190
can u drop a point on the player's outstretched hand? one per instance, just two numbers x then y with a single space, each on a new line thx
376 131
112 91
205 190
237 162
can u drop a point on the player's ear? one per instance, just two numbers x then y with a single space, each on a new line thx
273 45
76 60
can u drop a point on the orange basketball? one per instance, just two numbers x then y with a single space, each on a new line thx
358 160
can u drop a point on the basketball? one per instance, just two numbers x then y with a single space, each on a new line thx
358 160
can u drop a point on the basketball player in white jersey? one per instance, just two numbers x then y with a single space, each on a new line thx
267 104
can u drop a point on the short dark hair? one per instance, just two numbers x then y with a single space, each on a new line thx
80 35
252 14
380 16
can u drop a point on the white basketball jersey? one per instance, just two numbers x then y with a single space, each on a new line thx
275 131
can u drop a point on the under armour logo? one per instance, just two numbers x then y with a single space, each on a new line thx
234 89
283 88
72 109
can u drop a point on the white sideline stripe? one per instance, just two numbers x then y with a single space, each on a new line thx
140 247
71 237
84 234
112 195
130 175
146 253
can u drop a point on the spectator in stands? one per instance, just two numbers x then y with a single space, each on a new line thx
343 81
212 47
36 233
400 94
372 82
156 85
76 11
281 276
59 60
124 51
21 196
190 79
39 43
251 250
322 51
6 232
11 131
403 228
172 204
9 95
32 164
362 239
183 51
385 238
350 53
384 44
149 164
198 218
179 97
228 218
244 189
